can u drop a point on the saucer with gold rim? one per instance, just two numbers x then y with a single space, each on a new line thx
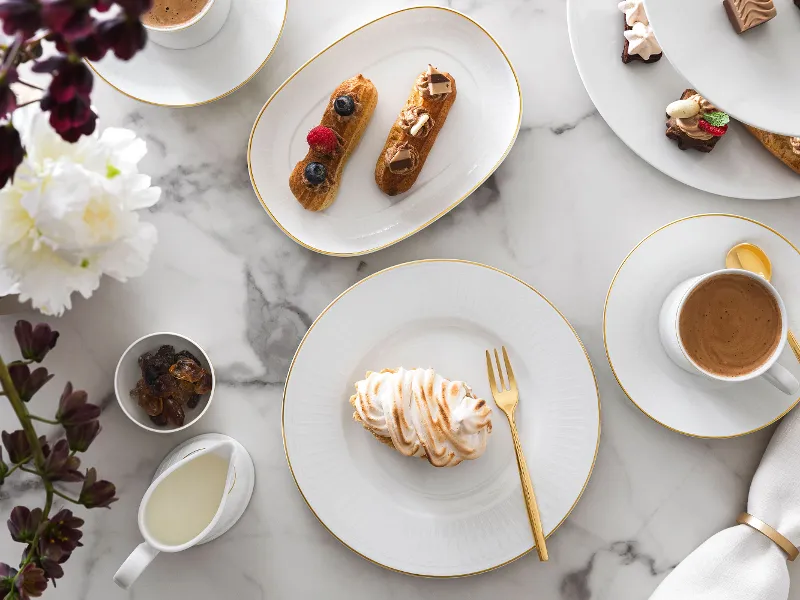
182 78
672 397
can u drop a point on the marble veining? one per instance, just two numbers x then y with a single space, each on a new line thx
561 212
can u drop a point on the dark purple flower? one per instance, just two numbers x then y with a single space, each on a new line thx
92 47
35 342
7 574
11 152
71 79
50 562
60 466
8 100
28 383
16 443
31 582
72 119
96 494
82 436
20 16
24 523
62 532
125 35
70 18
73 409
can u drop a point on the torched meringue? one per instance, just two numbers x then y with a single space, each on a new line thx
422 414
642 41
634 12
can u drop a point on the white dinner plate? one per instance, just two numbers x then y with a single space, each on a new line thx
633 99
391 51
666 393
753 76
401 512
181 78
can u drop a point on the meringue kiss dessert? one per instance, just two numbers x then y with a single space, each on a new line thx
419 413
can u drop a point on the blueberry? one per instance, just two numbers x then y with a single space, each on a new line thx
344 106
315 173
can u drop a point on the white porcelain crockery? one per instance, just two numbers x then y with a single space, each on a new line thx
669 318
226 62
196 32
401 512
391 51
128 373
228 500
633 98
753 76
675 398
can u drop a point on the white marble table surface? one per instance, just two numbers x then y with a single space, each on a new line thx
562 212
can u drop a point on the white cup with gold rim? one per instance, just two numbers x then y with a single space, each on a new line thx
668 328
194 32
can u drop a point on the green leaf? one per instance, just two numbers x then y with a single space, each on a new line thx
717 118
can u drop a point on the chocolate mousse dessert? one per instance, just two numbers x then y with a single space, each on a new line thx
695 123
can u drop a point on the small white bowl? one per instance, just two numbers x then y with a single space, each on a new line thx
128 373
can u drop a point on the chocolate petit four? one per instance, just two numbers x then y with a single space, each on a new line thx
694 122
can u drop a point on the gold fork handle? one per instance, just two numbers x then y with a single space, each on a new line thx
530 497
794 344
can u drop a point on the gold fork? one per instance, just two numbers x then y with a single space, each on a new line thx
506 399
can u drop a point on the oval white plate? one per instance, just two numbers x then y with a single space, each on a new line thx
633 98
391 51
753 75
402 513
676 399
181 78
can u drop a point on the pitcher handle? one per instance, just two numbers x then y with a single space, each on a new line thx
134 565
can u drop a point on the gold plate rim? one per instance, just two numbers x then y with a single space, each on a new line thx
605 341
443 212
204 102
407 264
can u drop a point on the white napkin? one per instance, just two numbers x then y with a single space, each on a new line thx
741 563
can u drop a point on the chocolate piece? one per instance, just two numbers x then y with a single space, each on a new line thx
685 141
746 14
437 83
628 57
401 159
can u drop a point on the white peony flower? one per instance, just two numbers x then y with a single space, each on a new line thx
69 216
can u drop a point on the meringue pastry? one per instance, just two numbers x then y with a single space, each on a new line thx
419 413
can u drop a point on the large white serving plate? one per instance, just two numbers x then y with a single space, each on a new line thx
753 76
391 51
181 78
400 512
633 98
676 399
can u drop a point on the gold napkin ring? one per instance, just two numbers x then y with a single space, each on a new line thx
773 534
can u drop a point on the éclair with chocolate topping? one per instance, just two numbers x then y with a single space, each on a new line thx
414 132
315 179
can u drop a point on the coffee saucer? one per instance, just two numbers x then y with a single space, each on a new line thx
182 78
678 400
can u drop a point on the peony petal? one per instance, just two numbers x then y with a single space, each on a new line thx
130 255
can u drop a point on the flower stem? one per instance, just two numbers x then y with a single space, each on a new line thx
43 420
65 497
11 55
33 440
27 470
12 469
30 85
28 103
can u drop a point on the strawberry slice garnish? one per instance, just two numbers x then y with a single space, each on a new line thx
712 129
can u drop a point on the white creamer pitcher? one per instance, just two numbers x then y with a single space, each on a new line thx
199 492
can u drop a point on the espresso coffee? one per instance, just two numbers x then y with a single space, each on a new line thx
730 325
172 13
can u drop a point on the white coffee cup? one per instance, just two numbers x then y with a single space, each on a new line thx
196 32
669 319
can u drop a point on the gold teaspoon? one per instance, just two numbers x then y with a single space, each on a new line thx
752 258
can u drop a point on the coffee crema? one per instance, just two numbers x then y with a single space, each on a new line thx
172 13
730 325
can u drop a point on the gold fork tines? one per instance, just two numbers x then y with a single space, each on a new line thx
506 399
